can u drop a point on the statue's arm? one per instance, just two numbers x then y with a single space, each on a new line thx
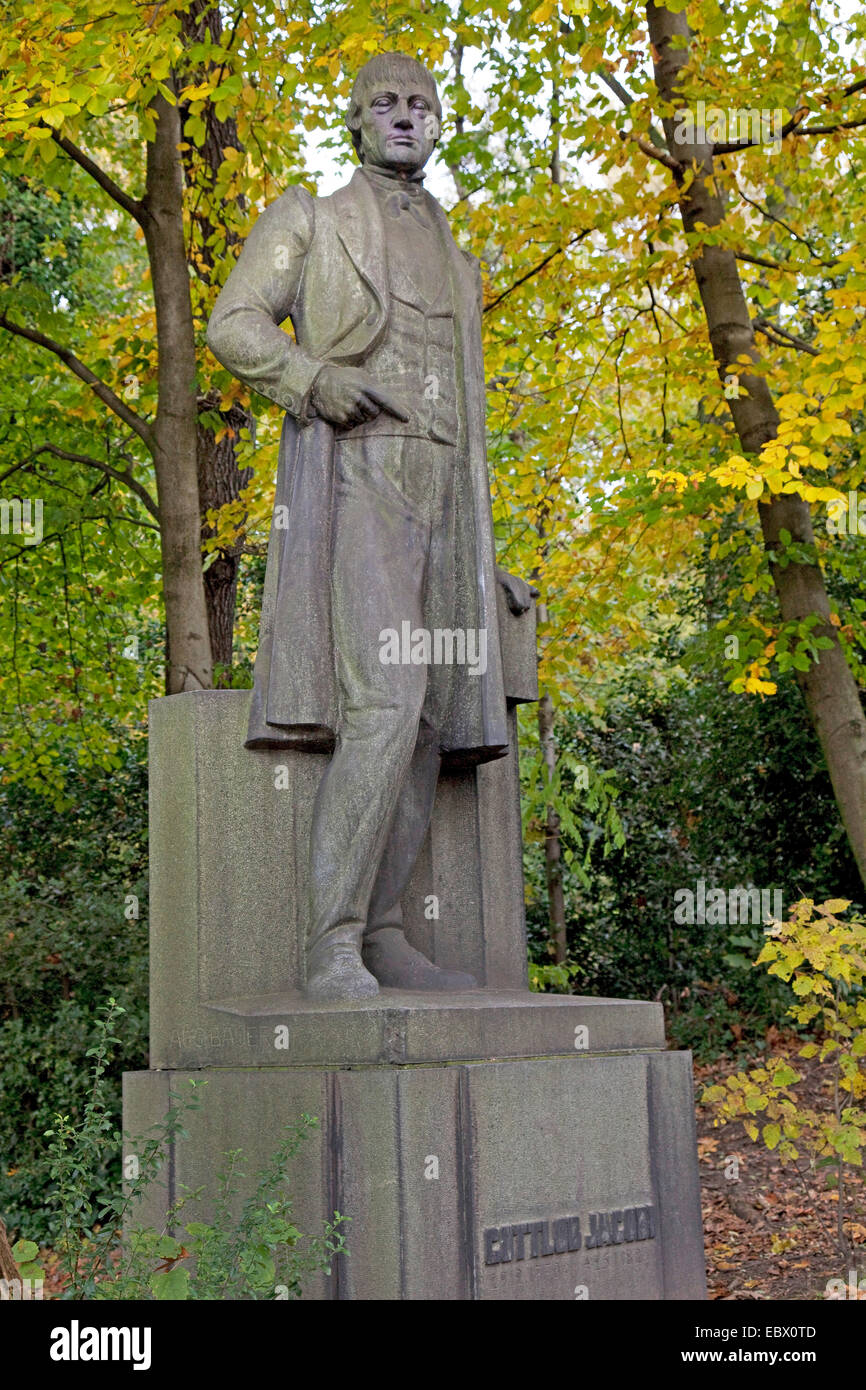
244 332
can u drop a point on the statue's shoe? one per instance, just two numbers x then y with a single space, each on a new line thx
397 965
340 975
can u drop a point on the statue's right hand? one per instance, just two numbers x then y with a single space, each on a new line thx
347 396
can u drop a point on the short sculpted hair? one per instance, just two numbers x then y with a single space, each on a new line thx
383 70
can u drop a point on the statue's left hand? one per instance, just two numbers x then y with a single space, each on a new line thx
518 593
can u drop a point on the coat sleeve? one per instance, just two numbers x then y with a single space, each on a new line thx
474 267
244 332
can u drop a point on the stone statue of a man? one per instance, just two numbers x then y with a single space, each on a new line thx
381 571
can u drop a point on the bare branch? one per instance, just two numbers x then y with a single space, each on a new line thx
134 521
120 475
653 152
775 265
792 127
133 206
536 268
730 147
627 100
782 338
772 217
20 552
99 388
830 129
759 260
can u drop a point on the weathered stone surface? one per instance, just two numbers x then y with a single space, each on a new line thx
399 1026
519 658
229 903
536 1111
439 1166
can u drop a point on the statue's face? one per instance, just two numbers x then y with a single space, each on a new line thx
399 128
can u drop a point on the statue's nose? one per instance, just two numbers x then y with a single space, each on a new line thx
402 116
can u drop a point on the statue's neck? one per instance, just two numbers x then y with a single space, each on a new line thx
392 176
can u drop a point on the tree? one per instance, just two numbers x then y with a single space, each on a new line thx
40 107
610 429
829 687
88 91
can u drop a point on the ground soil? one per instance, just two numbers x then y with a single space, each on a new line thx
770 1229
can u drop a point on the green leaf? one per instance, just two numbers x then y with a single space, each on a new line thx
772 1135
168 1247
173 1284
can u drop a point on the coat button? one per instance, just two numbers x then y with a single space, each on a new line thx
371 318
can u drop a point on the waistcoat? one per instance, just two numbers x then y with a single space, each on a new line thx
414 361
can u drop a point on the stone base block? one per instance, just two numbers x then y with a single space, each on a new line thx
286 1029
545 1177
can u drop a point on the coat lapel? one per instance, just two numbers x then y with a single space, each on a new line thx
463 273
359 227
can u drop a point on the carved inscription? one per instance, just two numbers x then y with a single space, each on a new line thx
531 1240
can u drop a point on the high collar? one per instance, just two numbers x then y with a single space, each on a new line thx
388 179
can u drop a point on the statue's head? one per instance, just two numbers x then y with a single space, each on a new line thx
394 113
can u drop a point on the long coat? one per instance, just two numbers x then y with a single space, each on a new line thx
320 262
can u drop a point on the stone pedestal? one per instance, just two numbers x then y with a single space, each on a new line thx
536 1177
486 1144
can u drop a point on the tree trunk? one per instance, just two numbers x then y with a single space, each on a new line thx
8 1267
189 665
546 713
552 841
219 479
829 687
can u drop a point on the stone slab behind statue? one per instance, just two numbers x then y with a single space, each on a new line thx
229 840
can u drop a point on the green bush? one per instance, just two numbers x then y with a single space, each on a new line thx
709 786
249 1250
68 936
